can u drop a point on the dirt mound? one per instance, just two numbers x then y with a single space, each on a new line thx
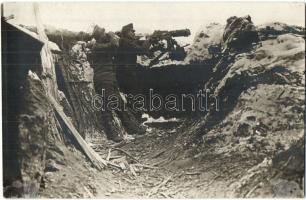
274 29
30 138
261 95
207 44
76 81
239 34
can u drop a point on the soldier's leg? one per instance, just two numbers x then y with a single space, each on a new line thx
130 123
112 122
113 129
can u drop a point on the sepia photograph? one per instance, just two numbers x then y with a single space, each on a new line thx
153 99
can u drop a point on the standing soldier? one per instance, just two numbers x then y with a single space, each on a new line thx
126 61
103 47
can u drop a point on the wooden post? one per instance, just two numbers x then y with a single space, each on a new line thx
48 68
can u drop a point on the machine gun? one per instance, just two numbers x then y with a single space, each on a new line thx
158 36
164 41
166 34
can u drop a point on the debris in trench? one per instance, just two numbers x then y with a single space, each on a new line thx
96 160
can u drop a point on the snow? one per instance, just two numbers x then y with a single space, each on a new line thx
33 75
159 120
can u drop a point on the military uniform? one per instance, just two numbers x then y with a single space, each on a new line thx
126 59
105 78
116 123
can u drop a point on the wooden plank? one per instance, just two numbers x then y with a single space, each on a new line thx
96 160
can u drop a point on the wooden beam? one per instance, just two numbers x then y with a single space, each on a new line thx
95 158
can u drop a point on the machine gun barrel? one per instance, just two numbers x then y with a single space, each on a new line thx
180 33
168 34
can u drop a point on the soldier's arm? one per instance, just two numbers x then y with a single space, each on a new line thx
133 45
103 45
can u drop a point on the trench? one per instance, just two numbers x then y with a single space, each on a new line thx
171 158
153 164
155 160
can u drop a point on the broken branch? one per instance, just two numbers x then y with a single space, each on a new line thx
126 153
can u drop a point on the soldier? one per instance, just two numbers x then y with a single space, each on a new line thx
103 47
126 59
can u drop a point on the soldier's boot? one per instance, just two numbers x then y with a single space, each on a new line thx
113 129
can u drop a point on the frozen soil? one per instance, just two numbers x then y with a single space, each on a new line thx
155 173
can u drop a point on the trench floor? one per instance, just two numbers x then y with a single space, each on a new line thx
147 170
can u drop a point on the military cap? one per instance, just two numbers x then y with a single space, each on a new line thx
127 28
